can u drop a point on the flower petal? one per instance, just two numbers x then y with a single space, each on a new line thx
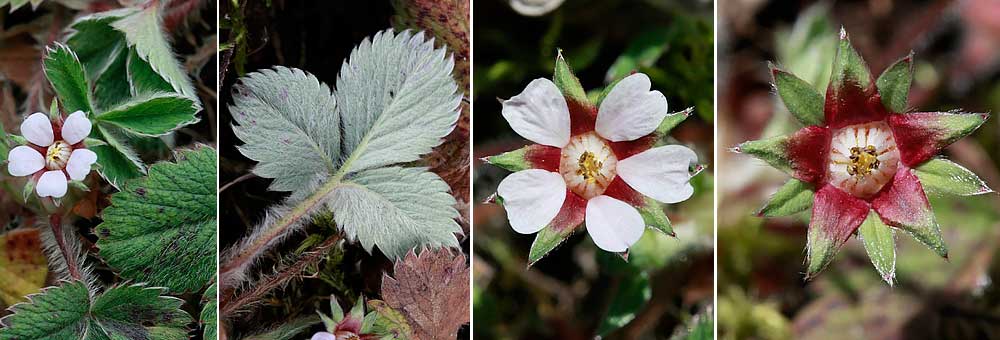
76 127
532 198
23 161
52 183
37 129
630 110
323 336
79 163
614 225
835 216
921 135
570 216
539 113
903 204
660 173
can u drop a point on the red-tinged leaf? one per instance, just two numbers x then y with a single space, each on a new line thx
835 216
570 216
851 97
921 135
802 154
903 204
535 156
431 291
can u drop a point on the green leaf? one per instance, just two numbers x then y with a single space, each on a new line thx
799 97
144 33
397 100
633 292
848 66
547 240
112 86
287 331
397 209
65 73
154 115
894 84
161 229
118 162
210 313
390 323
941 176
643 51
122 312
143 78
567 82
793 197
289 124
880 244
95 42
699 327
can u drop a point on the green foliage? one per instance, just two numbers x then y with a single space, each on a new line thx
633 292
71 311
396 100
161 229
144 33
154 115
210 313
390 324
880 243
287 331
65 73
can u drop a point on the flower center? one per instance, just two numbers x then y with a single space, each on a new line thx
588 165
863 158
57 155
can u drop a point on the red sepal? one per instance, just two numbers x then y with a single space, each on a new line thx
543 157
922 135
808 152
852 104
582 117
628 149
621 191
572 213
838 213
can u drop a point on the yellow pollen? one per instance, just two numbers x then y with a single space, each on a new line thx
863 161
590 167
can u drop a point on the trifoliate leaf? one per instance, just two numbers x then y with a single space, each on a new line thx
70 311
112 87
161 229
941 176
793 197
880 244
894 84
395 208
210 312
154 115
633 292
118 161
397 100
143 31
801 98
95 42
23 266
431 291
289 124
143 78
65 73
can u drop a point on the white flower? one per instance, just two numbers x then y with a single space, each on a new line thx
50 158
604 166
323 336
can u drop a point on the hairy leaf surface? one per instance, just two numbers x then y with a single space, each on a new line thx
209 313
71 311
431 291
161 229
143 31
288 122
64 71
154 115
118 161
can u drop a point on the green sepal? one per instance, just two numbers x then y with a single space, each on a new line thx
794 197
79 185
800 98
17 139
54 110
672 120
771 150
820 250
338 312
90 142
848 66
654 217
941 176
512 160
570 86
328 323
368 323
929 235
604 93
546 240
65 72
358 311
389 322
894 84
880 244
29 188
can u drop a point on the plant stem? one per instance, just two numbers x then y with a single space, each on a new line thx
229 306
55 220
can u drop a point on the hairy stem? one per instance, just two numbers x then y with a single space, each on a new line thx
231 305
72 267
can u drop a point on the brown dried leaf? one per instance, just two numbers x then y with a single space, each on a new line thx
431 291
23 267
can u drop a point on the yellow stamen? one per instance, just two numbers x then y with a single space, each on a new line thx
590 168
863 161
